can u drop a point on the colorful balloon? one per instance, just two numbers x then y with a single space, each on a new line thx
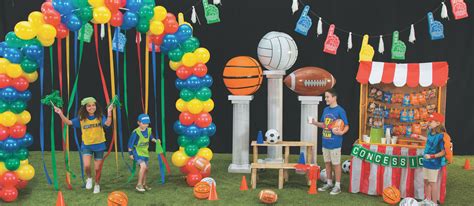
130 20
199 70
134 5
14 70
195 106
24 30
179 128
73 23
157 27
143 26
175 65
13 55
13 41
5 81
207 81
193 83
22 154
186 118
25 172
46 42
101 14
34 52
31 77
183 141
186 94
179 158
8 119
12 163
47 6
4 106
113 5
9 194
159 13
21 84
175 55
17 131
204 94
184 32
202 55
183 73
4 133
146 13
52 17
189 45
46 31
203 141
192 132
191 150
85 14
29 65
24 117
26 141
193 178
8 179
203 120
116 19
96 3
36 19
206 153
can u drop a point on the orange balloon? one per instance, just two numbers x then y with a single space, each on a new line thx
243 75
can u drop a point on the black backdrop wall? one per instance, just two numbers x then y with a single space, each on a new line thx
244 22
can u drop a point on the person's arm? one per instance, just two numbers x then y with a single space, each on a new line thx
153 139
343 116
131 144
61 115
422 137
318 124
108 121
439 154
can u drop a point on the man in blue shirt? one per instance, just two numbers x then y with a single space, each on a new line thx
332 140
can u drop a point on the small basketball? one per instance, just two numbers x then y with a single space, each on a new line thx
242 75
268 196
202 190
391 195
338 123
117 198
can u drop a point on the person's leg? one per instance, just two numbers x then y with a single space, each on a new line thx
145 173
336 162
434 192
98 159
141 173
426 188
87 158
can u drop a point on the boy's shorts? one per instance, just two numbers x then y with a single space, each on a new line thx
98 155
430 174
332 155
140 159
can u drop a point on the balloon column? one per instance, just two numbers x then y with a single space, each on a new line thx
22 54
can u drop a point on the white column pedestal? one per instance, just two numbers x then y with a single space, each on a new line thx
275 110
309 132
240 134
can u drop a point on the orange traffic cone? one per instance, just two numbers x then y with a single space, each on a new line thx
60 200
243 184
467 165
312 188
213 194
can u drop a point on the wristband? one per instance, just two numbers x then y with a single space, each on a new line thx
432 156
130 152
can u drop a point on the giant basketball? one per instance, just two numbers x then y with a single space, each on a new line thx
277 51
242 75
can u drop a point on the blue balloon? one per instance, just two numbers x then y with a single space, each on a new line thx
207 81
164 49
3 46
73 22
130 20
134 5
179 128
193 83
180 84
26 141
209 131
184 32
24 96
10 145
8 94
13 55
63 6
33 52
193 132
170 41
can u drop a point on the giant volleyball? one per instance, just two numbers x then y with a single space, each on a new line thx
277 51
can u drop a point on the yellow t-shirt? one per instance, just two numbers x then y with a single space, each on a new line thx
92 131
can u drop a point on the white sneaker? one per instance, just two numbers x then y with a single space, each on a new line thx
325 187
89 183
335 191
96 189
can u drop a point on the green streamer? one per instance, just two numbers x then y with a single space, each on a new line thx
125 95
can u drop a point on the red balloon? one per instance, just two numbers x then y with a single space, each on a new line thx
62 31
113 5
123 3
46 6
52 17
186 118
200 70
190 166
21 184
170 17
150 45
5 81
116 19
20 84
4 133
183 72
203 120
157 39
8 179
17 130
9 194
171 27
184 170
193 178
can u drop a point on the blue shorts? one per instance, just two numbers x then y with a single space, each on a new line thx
98 155
140 159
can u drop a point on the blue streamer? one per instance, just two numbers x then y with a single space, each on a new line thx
48 178
75 113
162 172
162 169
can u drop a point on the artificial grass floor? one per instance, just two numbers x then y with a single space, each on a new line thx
175 191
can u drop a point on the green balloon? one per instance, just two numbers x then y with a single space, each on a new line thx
143 26
4 155
150 3
18 106
29 66
189 45
191 150
203 141
186 95
204 94
22 154
183 141
175 55
13 41
31 42
85 14
12 163
80 3
3 106
146 13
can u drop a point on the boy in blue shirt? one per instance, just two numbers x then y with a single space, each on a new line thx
138 149
332 140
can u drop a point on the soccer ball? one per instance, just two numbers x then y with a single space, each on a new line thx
409 202
277 51
346 166
323 177
273 136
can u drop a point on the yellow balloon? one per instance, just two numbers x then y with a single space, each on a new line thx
195 106
205 153
181 105
24 30
101 15
31 77
202 55
181 149
46 31
179 158
24 117
46 42
3 65
14 71
159 13
157 27
189 59
24 162
208 105
3 169
8 119
36 19
175 65
25 172
96 3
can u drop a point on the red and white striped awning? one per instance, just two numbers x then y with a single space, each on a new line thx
411 74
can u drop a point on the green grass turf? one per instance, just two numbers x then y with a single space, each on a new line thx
176 192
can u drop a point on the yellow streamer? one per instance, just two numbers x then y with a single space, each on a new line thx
112 80
147 73
68 86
